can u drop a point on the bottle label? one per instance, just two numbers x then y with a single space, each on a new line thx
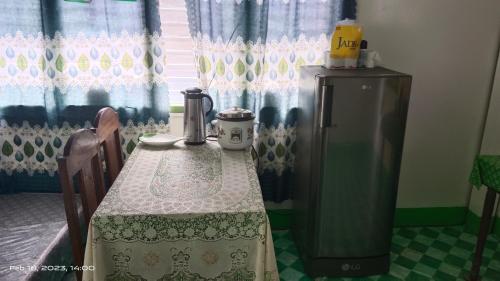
345 42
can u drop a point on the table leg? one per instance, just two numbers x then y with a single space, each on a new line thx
489 204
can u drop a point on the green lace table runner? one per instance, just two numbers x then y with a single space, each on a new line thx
486 171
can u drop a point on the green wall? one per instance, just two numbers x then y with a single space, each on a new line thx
441 216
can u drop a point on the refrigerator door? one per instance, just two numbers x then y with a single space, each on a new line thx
361 123
307 176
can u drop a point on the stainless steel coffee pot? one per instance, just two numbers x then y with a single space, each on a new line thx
194 115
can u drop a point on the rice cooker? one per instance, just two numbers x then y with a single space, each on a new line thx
235 128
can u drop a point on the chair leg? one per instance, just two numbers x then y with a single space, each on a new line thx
484 229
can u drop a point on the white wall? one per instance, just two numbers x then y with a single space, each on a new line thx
449 46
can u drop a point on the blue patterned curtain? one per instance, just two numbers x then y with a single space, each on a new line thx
258 68
60 62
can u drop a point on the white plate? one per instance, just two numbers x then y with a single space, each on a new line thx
161 140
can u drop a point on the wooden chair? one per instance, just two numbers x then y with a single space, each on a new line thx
81 160
107 126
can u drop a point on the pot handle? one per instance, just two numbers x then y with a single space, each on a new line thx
211 103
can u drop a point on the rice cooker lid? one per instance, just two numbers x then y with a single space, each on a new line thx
235 114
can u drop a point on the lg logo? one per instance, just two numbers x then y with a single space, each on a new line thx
352 267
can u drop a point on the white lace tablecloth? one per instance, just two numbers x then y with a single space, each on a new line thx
185 213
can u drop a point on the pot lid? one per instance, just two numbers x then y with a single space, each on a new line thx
236 113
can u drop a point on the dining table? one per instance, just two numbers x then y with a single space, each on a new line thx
485 172
187 212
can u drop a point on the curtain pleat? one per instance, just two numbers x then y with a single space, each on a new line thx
62 61
259 67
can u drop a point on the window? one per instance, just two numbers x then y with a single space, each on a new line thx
180 64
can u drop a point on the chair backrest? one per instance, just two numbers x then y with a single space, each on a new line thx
81 161
107 128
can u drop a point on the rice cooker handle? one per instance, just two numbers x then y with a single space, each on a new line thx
211 103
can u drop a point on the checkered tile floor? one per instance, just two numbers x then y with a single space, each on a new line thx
429 253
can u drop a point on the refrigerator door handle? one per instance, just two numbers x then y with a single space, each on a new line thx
326 106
